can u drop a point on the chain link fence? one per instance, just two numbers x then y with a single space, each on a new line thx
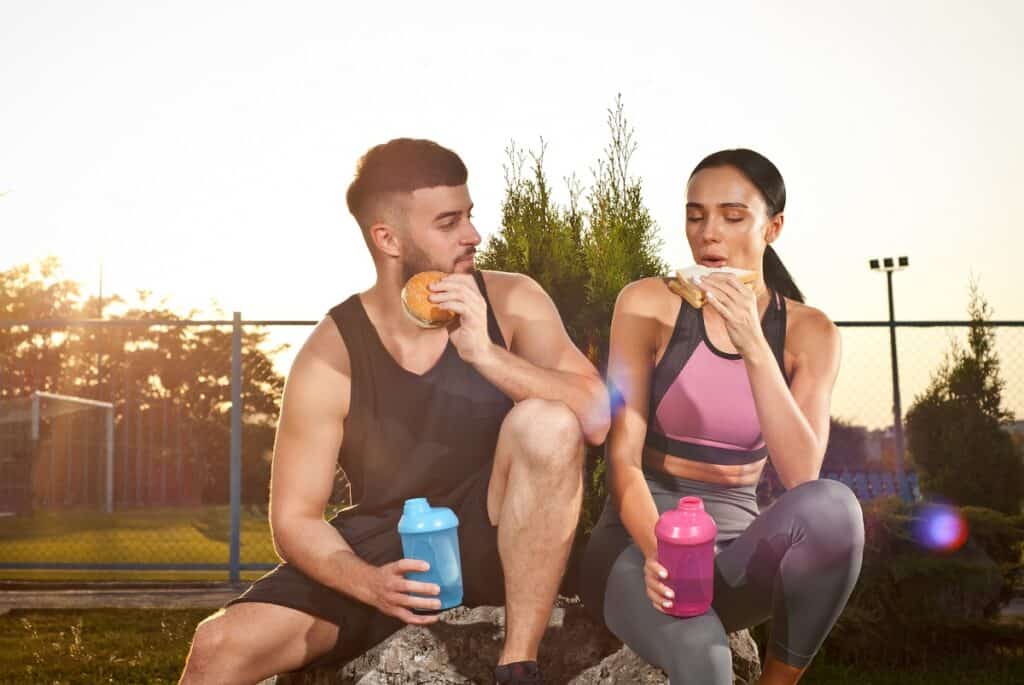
141 449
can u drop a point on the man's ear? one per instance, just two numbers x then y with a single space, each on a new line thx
773 228
384 237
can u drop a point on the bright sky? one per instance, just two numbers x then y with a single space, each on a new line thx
203 149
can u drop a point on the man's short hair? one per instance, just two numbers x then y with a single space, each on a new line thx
396 167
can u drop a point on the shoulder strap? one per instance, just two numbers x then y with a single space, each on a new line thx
775 330
684 340
493 329
349 319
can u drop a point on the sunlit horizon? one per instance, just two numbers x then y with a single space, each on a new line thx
202 152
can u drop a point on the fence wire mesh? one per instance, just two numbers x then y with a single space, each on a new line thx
149 495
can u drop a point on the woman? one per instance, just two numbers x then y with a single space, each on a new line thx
708 395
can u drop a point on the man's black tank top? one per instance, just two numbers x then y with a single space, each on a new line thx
408 435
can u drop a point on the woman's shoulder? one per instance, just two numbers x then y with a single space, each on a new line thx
807 324
646 296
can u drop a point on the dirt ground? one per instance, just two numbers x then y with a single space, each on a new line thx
34 595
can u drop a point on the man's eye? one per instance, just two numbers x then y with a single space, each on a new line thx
694 218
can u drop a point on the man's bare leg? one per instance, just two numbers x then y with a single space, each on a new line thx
249 642
534 497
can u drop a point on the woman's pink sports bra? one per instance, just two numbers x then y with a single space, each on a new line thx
702 407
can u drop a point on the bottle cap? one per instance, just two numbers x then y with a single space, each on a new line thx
419 517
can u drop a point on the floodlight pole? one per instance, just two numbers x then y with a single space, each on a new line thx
888 266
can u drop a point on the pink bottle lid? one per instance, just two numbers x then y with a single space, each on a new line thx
687 524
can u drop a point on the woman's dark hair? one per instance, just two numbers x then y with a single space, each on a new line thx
760 171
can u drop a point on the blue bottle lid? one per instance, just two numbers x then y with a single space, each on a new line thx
419 517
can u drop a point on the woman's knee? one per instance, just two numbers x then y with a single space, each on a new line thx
696 650
830 512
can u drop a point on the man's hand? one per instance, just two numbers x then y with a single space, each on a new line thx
459 293
387 589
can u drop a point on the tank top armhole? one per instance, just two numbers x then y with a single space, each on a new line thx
493 329
351 321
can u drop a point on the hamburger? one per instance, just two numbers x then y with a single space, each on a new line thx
417 307
681 284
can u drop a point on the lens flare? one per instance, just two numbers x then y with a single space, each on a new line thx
940 528
616 400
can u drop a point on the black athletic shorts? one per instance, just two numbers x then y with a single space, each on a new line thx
376 540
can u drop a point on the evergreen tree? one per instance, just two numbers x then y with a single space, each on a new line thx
957 427
582 257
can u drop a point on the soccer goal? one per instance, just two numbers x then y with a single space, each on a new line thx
55 447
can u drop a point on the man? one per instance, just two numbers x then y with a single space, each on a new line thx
487 416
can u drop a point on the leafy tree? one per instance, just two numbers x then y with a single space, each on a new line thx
847 447
141 369
957 427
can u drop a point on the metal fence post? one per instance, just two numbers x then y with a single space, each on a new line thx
110 461
234 560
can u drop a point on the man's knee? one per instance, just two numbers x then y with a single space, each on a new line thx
210 647
547 433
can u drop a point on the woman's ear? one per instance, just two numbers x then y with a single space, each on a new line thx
773 228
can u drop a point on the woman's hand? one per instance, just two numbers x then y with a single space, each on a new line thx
661 595
737 305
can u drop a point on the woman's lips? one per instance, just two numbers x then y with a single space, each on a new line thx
713 262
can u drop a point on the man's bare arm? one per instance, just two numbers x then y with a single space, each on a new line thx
543 361
309 434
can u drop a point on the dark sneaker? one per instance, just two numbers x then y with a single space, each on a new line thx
518 673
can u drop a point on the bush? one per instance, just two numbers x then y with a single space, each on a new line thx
913 605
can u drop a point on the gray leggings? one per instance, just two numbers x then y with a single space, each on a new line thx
795 563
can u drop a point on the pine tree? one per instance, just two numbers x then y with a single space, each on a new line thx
956 428
582 257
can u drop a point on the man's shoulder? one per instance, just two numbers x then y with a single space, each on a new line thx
510 291
508 281
325 348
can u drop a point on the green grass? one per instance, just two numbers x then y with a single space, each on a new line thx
95 646
199 535
149 646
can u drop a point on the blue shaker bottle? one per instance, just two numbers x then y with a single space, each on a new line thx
431 534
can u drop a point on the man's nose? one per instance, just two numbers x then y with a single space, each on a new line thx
472 236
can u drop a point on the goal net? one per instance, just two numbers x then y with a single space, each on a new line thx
55 451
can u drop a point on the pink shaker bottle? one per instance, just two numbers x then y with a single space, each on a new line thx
686 548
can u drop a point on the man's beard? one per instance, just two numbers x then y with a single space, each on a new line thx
416 260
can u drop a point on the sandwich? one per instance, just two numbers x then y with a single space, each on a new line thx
682 285
417 307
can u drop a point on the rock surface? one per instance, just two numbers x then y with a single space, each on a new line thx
463 647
